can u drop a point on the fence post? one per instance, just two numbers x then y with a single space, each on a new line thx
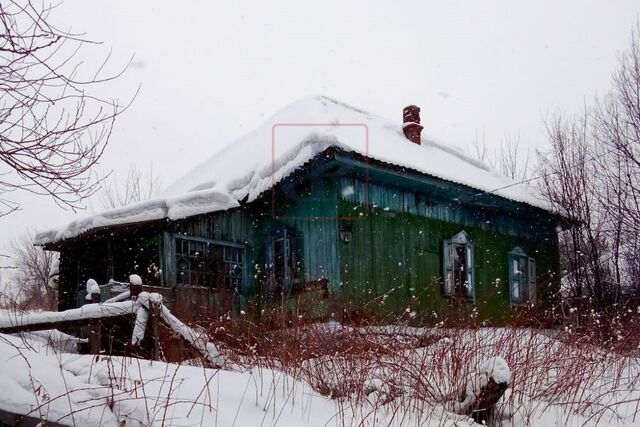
95 330
154 314
135 291
95 338
135 286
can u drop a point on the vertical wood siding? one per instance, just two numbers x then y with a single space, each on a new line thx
313 216
389 198
394 261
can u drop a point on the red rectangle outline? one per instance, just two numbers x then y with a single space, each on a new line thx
273 171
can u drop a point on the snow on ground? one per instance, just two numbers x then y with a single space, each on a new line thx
34 383
103 391
551 382
251 165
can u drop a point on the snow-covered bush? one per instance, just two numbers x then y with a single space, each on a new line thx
484 388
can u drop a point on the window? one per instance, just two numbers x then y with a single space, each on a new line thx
459 272
233 260
200 262
283 267
522 277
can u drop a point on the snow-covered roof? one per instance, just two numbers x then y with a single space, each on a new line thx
252 164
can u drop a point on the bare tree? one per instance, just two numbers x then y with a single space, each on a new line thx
592 175
617 130
30 279
135 187
511 159
53 127
568 181
480 149
514 159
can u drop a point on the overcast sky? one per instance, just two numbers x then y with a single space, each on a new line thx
211 71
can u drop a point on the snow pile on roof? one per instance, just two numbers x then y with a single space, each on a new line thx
177 207
245 167
252 164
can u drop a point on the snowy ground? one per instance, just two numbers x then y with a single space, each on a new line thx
87 391
398 383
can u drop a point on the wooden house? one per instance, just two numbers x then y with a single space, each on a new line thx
327 196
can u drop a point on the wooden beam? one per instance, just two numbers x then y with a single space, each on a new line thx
82 316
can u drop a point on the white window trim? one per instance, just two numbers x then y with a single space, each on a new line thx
462 238
530 278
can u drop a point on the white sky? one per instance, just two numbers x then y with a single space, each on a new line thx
212 71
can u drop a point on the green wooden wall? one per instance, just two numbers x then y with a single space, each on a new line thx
236 226
377 242
312 214
393 263
309 212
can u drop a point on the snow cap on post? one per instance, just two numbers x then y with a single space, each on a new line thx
93 291
135 285
411 123
134 279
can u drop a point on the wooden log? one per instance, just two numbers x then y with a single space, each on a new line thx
76 317
95 331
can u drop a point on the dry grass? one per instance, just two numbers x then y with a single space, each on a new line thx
592 373
584 376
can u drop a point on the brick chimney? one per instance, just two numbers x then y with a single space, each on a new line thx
411 123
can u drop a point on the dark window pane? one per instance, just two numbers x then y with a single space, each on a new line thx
208 264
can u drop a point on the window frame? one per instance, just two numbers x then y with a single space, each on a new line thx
288 256
231 255
527 280
449 288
